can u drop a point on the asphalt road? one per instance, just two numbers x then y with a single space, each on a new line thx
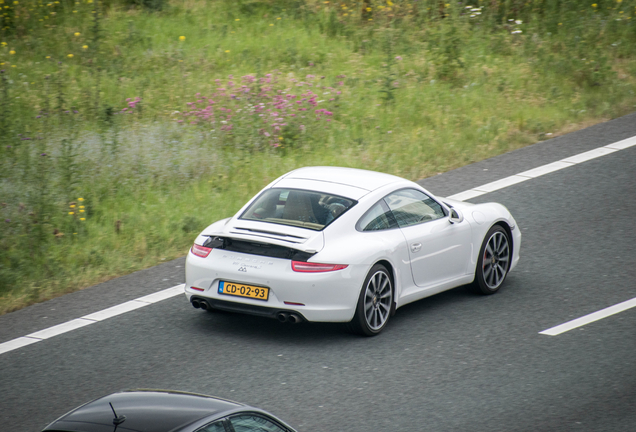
452 362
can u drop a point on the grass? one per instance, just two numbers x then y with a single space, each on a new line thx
412 89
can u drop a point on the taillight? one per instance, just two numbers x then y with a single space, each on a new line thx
200 251
307 267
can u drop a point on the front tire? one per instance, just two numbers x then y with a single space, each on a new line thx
374 303
493 263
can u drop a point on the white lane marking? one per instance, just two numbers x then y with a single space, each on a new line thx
463 196
116 310
544 169
163 295
621 145
595 316
178 289
17 343
91 318
589 155
500 184
61 328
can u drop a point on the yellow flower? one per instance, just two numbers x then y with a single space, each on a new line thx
82 219
181 38
12 52
4 44
70 56
81 206
77 33
280 138
48 57
227 51
74 11
391 4
619 1
447 4
72 206
71 213
80 199
594 5
15 2
81 211
345 14
369 9
271 25
278 18
13 66
560 23
85 46
238 19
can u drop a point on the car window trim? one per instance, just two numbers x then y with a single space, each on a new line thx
354 203
444 208
387 211
255 414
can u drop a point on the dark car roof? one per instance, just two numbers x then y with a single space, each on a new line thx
145 411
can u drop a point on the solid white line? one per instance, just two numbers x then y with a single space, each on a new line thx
163 295
61 328
91 318
589 155
621 145
500 184
463 196
116 310
603 313
545 169
16 343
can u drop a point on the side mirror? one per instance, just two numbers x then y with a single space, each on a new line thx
455 216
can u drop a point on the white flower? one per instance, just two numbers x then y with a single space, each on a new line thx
518 22
516 32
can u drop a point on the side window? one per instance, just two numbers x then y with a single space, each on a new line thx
254 423
411 207
214 427
378 218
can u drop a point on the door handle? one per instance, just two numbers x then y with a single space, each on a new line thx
416 247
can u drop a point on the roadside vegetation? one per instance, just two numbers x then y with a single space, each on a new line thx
127 126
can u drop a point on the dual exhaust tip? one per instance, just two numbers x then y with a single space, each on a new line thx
200 304
289 317
280 316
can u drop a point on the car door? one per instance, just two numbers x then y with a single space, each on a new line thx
439 251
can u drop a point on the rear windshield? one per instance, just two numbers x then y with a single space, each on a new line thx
301 208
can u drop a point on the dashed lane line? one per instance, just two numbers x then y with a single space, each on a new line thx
471 193
590 318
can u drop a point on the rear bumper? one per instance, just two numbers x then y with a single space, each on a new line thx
320 297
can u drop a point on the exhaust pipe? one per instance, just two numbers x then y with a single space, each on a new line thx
196 304
294 319
282 316
204 305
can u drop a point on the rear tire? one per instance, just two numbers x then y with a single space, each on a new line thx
493 263
374 303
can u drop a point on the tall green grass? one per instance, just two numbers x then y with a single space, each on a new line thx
90 191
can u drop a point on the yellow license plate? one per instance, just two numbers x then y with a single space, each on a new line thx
242 290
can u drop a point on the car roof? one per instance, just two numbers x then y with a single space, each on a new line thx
362 179
145 410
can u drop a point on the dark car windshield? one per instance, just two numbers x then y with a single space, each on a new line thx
301 208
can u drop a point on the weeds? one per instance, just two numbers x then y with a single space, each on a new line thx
90 188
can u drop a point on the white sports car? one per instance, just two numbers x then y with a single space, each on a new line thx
346 245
